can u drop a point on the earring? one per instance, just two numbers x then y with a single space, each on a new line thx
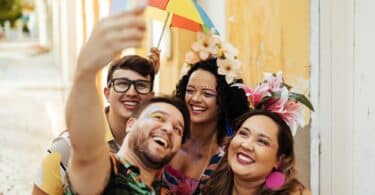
275 180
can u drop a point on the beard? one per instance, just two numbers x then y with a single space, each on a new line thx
139 144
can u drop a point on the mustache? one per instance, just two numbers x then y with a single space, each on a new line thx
139 144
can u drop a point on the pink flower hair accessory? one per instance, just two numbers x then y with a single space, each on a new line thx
210 46
275 96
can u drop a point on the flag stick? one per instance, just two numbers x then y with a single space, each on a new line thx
164 26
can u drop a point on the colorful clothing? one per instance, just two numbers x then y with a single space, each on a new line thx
125 179
51 174
180 184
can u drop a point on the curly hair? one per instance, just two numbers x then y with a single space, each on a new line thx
221 182
232 101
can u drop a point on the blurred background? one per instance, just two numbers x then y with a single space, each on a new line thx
323 47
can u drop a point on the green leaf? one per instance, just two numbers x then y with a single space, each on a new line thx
301 98
286 85
276 94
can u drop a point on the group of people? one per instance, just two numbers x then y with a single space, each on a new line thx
203 139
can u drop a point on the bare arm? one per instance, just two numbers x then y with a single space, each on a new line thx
38 191
90 164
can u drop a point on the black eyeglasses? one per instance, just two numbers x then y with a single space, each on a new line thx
122 85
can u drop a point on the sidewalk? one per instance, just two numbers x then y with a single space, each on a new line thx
31 114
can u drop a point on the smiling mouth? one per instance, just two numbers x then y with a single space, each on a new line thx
161 141
130 104
198 109
245 159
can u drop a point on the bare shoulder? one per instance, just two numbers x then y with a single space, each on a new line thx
303 191
38 191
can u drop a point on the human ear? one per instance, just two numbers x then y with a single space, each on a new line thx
279 162
106 92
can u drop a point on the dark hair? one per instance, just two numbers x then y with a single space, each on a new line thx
179 104
221 181
135 63
232 101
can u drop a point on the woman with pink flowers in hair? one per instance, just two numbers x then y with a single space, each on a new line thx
259 159
208 88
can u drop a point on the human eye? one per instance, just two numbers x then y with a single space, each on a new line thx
209 94
242 133
141 84
189 91
158 117
122 83
263 142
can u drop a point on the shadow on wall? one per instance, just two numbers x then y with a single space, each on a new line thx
302 152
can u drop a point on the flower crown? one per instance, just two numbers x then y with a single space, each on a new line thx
275 96
210 46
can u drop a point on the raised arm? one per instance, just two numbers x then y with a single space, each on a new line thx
90 163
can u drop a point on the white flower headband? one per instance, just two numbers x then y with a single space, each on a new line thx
210 46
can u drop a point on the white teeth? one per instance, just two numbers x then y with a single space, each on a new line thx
196 108
245 158
129 103
161 141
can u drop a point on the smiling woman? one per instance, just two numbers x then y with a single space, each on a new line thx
253 151
213 103
259 159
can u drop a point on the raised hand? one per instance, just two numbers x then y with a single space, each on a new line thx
154 57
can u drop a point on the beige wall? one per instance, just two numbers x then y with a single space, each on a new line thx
169 75
272 36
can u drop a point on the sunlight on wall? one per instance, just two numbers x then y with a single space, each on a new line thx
274 35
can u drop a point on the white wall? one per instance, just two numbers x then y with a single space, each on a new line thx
364 96
345 112
216 11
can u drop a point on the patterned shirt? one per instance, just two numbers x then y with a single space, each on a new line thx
180 184
125 179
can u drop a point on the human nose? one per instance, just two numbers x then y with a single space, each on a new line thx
167 127
248 145
196 96
131 90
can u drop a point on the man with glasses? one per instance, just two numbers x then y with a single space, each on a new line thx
129 83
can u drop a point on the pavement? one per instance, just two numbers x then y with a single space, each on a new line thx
31 113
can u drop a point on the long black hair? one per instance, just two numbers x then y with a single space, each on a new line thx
232 101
